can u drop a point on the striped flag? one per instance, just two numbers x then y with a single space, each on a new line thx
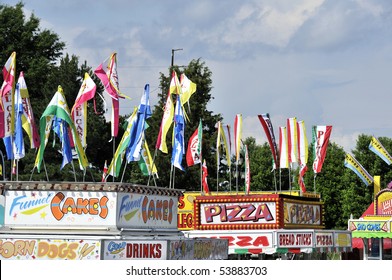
302 154
283 149
222 137
292 139
237 135
7 117
321 134
105 172
269 132
351 163
193 154
376 147
204 179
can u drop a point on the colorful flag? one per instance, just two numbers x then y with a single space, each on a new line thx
28 120
187 88
79 109
283 149
137 132
376 147
351 163
237 135
175 86
7 117
193 154
60 127
321 134
105 172
302 143
115 165
204 179
107 73
292 139
166 123
222 136
179 129
269 132
247 171
58 108
18 143
226 129
145 162
301 181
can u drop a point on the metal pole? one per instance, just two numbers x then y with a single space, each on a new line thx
172 57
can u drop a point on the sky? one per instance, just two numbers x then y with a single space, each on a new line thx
326 62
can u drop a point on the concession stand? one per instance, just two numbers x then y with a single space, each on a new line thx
263 225
372 232
96 221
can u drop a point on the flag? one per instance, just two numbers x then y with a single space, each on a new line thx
321 134
301 181
28 120
175 86
105 171
292 139
237 135
166 123
79 109
193 154
18 143
7 116
351 163
146 162
58 108
60 128
376 147
302 154
107 73
302 143
283 149
226 130
247 171
269 132
115 165
137 132
187 88
222 136
179 129
204 179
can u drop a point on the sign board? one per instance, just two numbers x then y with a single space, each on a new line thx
294 239
134 249
300 213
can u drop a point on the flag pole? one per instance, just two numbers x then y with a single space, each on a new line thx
236 176
125 167
3 166
280 179
171 175
217 177
276 189
46 171
73 168
201 175
314 182
114 150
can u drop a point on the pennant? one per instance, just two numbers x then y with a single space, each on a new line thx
115 165
105 172
376 147
226 129
292 139
175 86
204 179
302 143
58 108
107 73
237 135
179 129
146 162
28 120
269 132
79 110
8 75
283 148
351 163
187 88
193 154
321 134
247 171
137 132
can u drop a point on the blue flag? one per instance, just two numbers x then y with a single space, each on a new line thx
137 131
179 129
18 144
60 127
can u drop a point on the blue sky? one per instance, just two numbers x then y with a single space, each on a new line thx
327 62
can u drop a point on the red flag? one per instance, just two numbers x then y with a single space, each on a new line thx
321 134
269 132
193 153
205 174
301 181
105 171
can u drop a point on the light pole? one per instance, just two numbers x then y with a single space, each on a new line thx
172 59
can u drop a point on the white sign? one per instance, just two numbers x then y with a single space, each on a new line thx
134 249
